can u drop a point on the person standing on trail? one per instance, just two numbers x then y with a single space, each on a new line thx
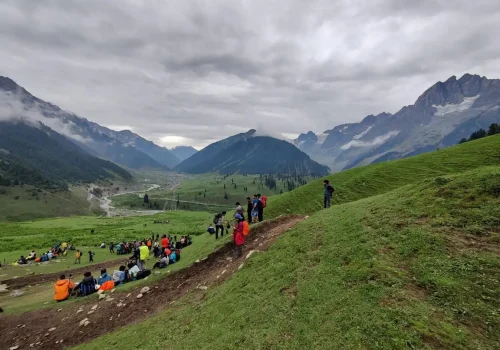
327 193
112 248
238 237
249 210
262 204
91 256
143 255
255 209
78 256
219 224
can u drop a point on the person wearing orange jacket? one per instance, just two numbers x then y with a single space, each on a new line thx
62 288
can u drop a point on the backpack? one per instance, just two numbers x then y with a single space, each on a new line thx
246 228
263 200
330 189
216 218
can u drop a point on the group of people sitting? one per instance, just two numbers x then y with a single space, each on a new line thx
60 249
65 287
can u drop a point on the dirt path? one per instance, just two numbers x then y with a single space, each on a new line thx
50 329
16 283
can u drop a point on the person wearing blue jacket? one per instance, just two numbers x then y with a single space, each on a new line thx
105 277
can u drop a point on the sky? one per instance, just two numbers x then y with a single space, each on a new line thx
193 72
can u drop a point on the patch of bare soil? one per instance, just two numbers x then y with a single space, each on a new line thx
58 329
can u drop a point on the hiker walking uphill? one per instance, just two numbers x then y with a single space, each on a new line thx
262 205
327 193
219 224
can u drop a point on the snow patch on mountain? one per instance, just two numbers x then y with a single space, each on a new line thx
451 108
375 142
321 138
358 136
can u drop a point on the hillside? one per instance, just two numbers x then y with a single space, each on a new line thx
440 117
413 268
249 154
36 155
183 152
122 147
354 184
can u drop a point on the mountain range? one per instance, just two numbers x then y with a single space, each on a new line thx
122 147
441 116
247 153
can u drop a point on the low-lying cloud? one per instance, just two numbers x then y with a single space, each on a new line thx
204 72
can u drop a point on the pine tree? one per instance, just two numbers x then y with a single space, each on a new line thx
146 198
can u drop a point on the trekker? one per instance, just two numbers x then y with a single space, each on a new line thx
78 256
112 248
249 210
87 285
105 277
262 204
91 256
239 210
164 242
63 288
219 224
255 209
238 237
143 255
327 193
119 276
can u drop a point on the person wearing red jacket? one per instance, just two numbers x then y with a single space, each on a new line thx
238 237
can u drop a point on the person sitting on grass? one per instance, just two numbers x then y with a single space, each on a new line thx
173 257
22 260
104 277
32 255
87 285
133 270
119 276
161 263
63 288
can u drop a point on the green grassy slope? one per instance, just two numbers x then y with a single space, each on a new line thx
380 178
416 268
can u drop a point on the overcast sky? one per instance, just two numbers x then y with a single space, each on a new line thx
192 72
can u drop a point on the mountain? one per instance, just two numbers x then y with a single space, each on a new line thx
246 153
441 116
122 147
183 152
34 154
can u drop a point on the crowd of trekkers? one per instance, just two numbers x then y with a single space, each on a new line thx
166 249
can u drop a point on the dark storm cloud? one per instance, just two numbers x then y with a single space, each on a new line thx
196 71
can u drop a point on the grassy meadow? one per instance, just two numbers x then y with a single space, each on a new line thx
366 181
416 268
208 192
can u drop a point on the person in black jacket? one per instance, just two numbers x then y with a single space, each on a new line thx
249 210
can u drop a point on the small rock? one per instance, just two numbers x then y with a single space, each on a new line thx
260 244
139 296
144 290
94 307
79 310
128 294
197 261
113 290
86 323
14 347
223 272
90 312
307 217
32 345
110 299
203 287
52 329
46 334
240 267
59 310
230 259
111 318
250 253
218 276
17 293
102 296
82 322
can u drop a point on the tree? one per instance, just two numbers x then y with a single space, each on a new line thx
224 186
463 140
494 129
226 197
146 198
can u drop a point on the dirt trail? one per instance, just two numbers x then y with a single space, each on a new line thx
30 280
108 316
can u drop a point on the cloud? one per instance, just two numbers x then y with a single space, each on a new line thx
202 71
13 108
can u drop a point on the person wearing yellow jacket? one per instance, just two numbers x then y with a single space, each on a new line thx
62 288
143 255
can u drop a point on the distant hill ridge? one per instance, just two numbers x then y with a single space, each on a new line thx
246 153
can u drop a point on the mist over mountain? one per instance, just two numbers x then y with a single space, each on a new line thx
122 147
441 116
